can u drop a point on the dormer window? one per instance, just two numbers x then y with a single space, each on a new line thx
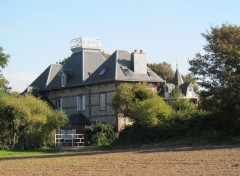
126 71
65 73
149 73
166 89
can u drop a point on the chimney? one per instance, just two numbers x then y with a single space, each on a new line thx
139 62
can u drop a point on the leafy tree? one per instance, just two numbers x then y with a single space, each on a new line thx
218 70
27 122
182 104
4 58
164 70
140 104
105 55
189 78
176 93
4 84
100 134
62 62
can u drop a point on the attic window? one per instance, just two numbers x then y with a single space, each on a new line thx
126 71
102 72
65 71
149 73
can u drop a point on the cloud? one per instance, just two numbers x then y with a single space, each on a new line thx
19 80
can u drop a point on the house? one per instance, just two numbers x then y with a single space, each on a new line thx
186 88
84 85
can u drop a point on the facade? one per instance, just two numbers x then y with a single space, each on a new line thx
186 88
84 85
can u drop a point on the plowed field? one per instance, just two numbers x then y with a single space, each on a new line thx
218 160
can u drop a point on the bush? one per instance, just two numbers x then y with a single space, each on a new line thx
27 122
199 125
140 104
100 134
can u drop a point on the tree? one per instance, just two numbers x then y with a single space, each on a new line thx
4 58
218 70
176 93
27 122
4 84
105 55
189 78
140 104
164 70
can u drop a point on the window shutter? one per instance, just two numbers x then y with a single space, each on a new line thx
78 103
102 102
83 102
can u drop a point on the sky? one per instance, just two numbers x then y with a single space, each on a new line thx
38 33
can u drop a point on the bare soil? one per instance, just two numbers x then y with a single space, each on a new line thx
213 160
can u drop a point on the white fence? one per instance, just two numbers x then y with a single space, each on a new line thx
70 140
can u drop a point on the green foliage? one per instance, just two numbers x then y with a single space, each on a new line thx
100 134
176 93
62 62
4 84
27 122
182 104
123 98
164 70
149 111
4 58
200 125
140 104
218 70
189 78
105 55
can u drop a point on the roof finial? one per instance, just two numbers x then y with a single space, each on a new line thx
176 64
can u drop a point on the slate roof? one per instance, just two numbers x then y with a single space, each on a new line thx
84 68
81 65
177 80
184 88
115 66
46 77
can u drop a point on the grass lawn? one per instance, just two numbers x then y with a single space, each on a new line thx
4 153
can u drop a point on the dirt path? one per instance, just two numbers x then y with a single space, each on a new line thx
220 160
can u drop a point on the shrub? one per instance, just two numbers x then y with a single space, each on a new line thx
27 122
140 104
100 134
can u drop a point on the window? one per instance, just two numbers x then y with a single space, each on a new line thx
149 73
81 103
102 72
166 88
59 103
102 102
64 80
190 89
126 71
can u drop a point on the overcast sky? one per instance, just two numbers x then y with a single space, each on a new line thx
38 33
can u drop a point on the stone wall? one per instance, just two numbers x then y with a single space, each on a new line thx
92 93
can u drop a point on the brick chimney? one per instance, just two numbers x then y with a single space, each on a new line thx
139 62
